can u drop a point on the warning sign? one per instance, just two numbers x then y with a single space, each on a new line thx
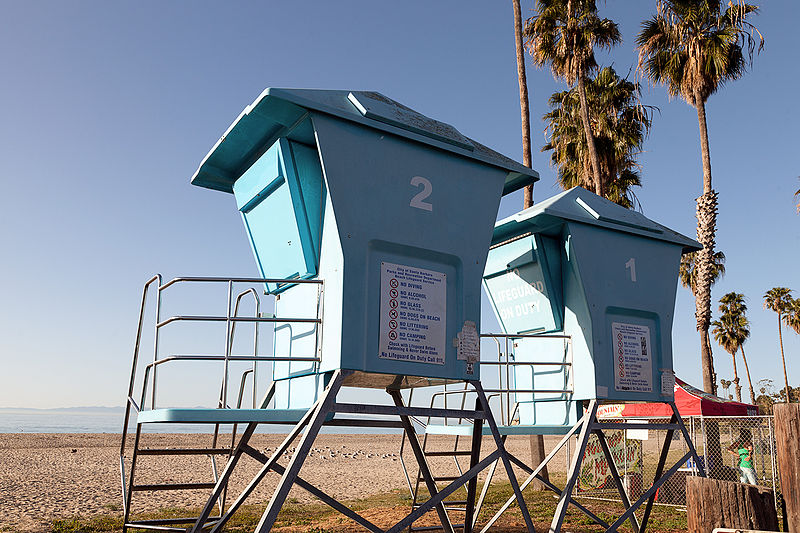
413 314
633 368
468 343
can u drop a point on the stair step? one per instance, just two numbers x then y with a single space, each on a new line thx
446 502
434 528
442 478
448 508
171 521
450 453
155 527
184 451
173 486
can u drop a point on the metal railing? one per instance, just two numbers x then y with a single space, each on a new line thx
506 390
507 381
231 318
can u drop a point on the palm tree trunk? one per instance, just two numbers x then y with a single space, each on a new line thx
523 101
783 359
749 381
736 387
537 441
709 375
706 230
587 129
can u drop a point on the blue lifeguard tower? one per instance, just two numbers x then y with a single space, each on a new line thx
370 224
600 280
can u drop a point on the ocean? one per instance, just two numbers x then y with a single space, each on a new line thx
91 420
81 420
109 420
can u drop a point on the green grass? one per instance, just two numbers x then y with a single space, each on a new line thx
391 507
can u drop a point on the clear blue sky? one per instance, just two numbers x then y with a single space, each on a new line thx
106 109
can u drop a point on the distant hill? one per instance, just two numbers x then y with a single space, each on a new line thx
99 410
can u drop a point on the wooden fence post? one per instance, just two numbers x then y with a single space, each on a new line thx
713 503
787 436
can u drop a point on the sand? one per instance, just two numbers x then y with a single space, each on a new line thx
49 476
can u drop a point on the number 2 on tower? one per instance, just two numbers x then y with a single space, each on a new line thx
427 189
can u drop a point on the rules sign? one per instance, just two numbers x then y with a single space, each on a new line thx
633 368
413 314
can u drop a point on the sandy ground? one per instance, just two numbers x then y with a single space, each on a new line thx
48 476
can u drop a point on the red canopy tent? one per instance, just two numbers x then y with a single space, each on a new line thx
690 401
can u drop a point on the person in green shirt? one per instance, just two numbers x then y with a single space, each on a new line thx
743 449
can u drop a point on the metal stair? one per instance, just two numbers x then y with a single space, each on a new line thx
144 404
455 503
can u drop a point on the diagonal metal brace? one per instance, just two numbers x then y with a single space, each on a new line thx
444 493
324 497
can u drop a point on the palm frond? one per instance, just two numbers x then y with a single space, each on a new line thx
694 47
778 299
687 272
620 123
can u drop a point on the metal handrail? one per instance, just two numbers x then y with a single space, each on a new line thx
232 319
257 302
524 363
264 358
529 391
525 336
212 279
139 329
259 358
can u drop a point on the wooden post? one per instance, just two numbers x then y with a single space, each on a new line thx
787 436
713 503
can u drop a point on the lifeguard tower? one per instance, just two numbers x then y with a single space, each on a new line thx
370 224
600 280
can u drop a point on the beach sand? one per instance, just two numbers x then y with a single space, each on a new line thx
49 476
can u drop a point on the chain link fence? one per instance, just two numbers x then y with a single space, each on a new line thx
718 441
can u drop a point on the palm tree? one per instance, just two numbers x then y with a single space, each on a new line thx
733 304
536 441
725 386
725 335
523 100
620 124
687 274
563 34
792 315
694 47
731 331
779 299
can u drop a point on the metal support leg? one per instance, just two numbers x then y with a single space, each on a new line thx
674 419
472 484
287 480
512 478
533 474
486 484
129 493
688 439
662 460
222 482
263 472
612 466
574 469
423 464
